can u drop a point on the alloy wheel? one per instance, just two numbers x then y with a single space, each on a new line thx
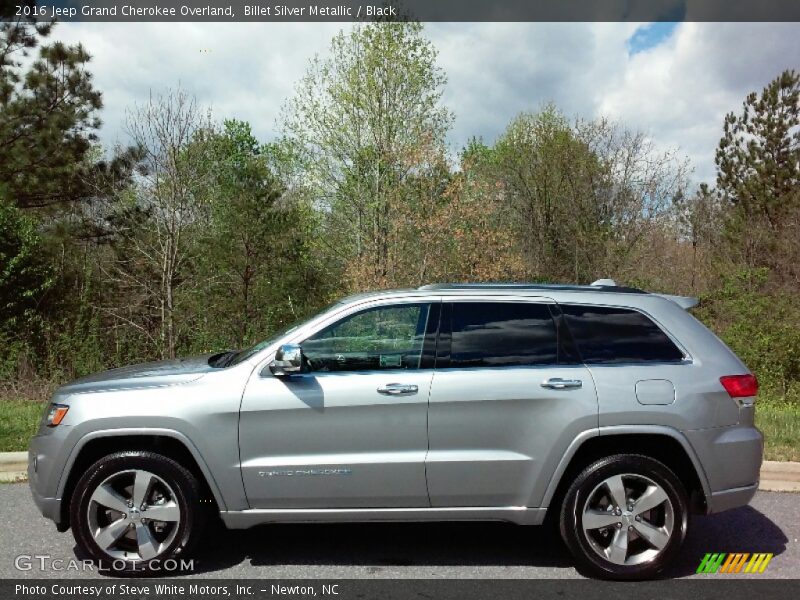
628 519
133 515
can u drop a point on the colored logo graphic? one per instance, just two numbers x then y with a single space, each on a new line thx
736 562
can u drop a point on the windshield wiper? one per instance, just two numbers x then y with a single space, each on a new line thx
223 359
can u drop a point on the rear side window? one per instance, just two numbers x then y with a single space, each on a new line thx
502 334
607 335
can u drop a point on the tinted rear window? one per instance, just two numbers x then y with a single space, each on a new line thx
617 335
502 334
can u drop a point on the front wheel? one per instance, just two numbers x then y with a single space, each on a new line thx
134 510
624 517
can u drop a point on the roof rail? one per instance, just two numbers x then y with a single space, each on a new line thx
597 286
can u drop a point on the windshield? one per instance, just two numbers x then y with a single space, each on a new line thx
243 355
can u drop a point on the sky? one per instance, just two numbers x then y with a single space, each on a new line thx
673 81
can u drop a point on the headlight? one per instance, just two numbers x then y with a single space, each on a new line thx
55 414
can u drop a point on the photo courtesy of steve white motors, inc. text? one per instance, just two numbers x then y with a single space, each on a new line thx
143 589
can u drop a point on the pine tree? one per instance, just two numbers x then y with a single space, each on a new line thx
48 117
758 158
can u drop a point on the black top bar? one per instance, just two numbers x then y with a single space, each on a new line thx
394 10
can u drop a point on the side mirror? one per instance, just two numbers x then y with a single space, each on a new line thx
288 361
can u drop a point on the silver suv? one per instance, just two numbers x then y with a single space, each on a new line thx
611 411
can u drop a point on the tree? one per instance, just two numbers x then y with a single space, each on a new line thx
48 117
156 216
24 276
580 198
698 219
58 180
758 158
255 261
363 121
545 174
758 174
462 234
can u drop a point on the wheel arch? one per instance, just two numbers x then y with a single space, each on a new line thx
664 444
167 442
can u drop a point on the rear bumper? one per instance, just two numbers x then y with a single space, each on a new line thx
732 498
731 458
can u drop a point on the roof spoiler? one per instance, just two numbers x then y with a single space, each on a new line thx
685 302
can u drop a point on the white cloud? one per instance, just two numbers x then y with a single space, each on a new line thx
497 70
242 70
680 91
677 92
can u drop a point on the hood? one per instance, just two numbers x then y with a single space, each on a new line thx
152 374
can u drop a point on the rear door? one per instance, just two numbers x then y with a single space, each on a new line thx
508 396
642 375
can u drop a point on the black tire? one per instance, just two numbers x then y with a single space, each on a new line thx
184 487
588 486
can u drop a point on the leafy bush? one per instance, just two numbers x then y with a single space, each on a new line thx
761 326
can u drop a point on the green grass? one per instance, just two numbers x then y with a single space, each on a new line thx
779 420
19 420
780 423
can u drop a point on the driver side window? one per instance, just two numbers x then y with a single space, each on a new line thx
380 338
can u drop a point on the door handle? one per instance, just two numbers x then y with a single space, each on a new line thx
556 383
398 389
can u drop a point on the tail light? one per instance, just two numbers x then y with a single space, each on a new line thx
740 386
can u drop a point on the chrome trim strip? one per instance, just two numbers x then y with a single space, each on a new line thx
520 515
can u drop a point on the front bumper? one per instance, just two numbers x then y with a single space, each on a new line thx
44 474
49 507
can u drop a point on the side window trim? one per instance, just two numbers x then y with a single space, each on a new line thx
566 343
431 341
444 343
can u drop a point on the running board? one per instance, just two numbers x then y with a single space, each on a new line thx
242 519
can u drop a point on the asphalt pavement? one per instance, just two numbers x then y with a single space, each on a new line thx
402 550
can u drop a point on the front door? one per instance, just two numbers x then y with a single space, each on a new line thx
352 431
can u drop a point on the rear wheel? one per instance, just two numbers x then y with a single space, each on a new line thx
134 510
624 517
